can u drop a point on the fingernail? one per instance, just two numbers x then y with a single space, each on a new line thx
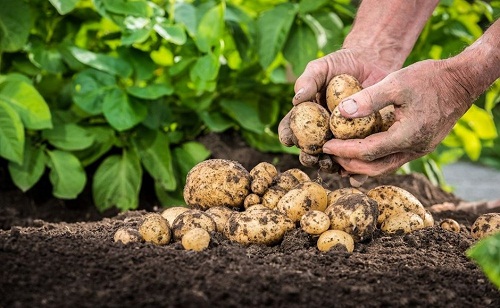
299 94
350 106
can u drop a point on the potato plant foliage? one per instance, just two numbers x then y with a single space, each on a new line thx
123 87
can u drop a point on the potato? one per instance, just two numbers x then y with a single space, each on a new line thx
217 182
127 235
335 239
405 222
393 200
262 175
334 195
450 225
356 128
196 239
355 214
428 219
300 175
272 196
304 197
257 225
309 124
486 225
155 229
286 181
250 200
315 222
387 117
192 219
171 213
220 215
340 87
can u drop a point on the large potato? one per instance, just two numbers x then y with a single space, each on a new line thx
340 87
217 182
393 200
357 128
257 225
334 195
355 214
309 124
302 198
192 219
485 225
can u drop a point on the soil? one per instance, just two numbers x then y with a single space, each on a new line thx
59 254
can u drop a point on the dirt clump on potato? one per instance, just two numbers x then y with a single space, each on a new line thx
335 239
486 225
217 182
309 124
315 222
127 235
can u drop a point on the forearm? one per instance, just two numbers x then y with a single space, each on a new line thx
389 28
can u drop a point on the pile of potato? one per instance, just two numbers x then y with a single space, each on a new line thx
261 205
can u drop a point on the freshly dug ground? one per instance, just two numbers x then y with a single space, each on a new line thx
62 254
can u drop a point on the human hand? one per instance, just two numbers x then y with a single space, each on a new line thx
428 99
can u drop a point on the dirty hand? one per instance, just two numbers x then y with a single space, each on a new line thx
428 99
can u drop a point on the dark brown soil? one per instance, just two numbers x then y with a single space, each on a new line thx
62 254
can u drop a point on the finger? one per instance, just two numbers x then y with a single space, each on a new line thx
326 164
308 160
382 166
311 81
285 134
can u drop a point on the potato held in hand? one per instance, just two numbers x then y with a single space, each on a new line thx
340 87
357 128
309 124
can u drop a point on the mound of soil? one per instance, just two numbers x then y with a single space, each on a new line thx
55 253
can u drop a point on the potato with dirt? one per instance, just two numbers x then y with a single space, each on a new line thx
196 239
220 215
217 182
486 225
450 225
309 123
403 222
340 87
262 175
272 196
127 235
315 222
155 229
257 225
302 198
192 219
355 214
171 213
335 239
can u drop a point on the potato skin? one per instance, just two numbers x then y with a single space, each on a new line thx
450 225
171 213
220 215
331 238
127 235
272 196
217 182
262 175
302 198
387 117
309 124
486 225
315 222
257 225
355 214
155 229
357 128
405 222
192 219
340 87
334 195
196 239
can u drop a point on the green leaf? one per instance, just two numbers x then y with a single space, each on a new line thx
171 33
486 253
104 139
27 174
125 7
90 88
273 28
470 141
307 6
481 122
300 48
152 91
185 13
246 113
15 25
216 121
268 142
47 58
121 112
211 28
206 68
69 137
27 102
66 174
11 134
154 149
117 182
105 63
334 30
64 6
188 155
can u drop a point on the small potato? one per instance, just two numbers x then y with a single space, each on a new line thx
257 225
262 175
335 239
272 196
127 235
450 225
192 219
304 197
355 214
250 200
309 124
405 222
155 229
300 175
356 128
340 87
220 215
217 182
171 213
428 219
387 117
334 195
315 222
393 200
486 225
196 239
286 181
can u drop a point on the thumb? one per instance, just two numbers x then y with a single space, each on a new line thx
364 102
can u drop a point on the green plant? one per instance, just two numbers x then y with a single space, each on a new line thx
486 253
